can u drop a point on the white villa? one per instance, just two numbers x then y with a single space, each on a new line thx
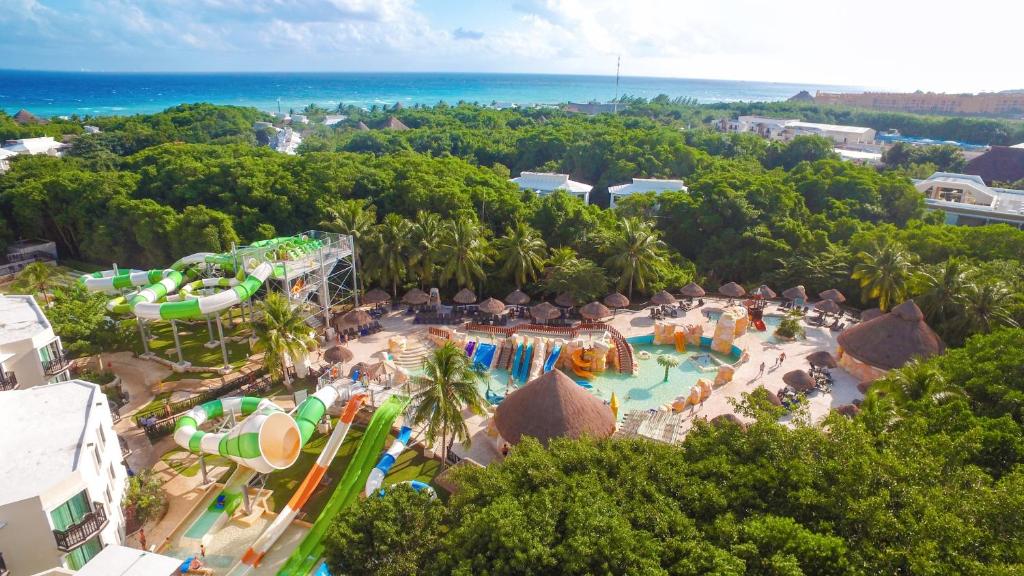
788 128
32 146
62 480
30 353
968 201
641 185
5 159
544 183
286 141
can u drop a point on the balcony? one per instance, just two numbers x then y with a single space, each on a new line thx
7 382
84 529
57 363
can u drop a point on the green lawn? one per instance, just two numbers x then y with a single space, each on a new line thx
409 466
193 336
187 464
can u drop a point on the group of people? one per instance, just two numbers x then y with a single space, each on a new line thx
778 362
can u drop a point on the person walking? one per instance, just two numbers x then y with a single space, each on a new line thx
760 372
782 358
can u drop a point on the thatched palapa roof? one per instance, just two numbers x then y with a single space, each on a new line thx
728 419
416 297
376 296
616 300
732 290
491 306
464 296
870 314
393 123
663 298
822 358
795 292
353 318
338 353
848 410
828 307
799 380
692 290
773 398
595 310
763 291
832 294
544 312
517 298
553 406
891 340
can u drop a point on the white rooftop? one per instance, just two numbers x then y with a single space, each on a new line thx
858 155
828 127
41 430
549 182
20 318
998 200
116 560
5 153
1021 145
40 145
647 185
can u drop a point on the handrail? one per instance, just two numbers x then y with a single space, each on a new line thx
166 425
187 404
57 364
75 535
8 381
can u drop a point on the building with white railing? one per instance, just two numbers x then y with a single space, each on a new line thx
968 201
545 183
30 353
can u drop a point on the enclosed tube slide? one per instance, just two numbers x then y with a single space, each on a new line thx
376 477
550 364
204 305
254 555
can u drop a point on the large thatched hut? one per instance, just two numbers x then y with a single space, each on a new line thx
552 406
870 349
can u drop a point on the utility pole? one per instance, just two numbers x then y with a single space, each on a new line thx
618 65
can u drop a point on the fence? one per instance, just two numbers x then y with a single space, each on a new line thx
159 428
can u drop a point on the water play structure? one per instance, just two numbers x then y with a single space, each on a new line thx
376 477
314 270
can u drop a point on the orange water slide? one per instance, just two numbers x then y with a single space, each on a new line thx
680 341
580 366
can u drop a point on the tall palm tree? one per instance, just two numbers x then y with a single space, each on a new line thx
884 273
986 307
449 384
355 218
942 290
281 333
37 277
392 245
464 252
637 253
428 236
522 253
914 382
669 362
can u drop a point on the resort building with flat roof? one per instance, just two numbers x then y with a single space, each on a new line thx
30 353
641 185
968 201
62 480
545 183
786 129
117 560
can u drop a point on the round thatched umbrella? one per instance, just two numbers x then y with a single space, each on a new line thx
848 410
799 380
773 398
353 318
822 358
376 296
727 419
795 293
763 291
565 300
517 298
870 314
416 297
552 406
828 307
692 290
595 310
491 306
338 353
663 298
616 300
732 290
545 312
832 294
465 296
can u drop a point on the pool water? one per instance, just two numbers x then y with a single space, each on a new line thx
647 389
771 322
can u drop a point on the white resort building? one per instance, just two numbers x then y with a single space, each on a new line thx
788 128
62 479
30 353
117 560
544 183
641 185
32 146
968 201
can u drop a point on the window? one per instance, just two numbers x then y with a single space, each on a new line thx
102 437
79 556
71 512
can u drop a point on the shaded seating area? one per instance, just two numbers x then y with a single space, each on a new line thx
517 301
491 312
355 323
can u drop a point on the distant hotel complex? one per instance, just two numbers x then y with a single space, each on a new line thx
987 104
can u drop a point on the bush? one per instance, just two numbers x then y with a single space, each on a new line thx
144 497
790 327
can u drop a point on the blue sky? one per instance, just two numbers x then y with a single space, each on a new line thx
901 44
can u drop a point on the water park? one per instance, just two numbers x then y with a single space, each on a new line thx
266 471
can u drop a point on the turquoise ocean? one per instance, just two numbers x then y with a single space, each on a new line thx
89 93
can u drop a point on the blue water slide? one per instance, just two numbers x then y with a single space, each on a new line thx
524 372
515 360
484 356
553 358
469 348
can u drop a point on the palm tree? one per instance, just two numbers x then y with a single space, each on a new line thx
355 218
668 362
942 290
37 277
637 253
392 244
522 252
281 333
428 236
449 384
915 382
986 307
884 273
464 253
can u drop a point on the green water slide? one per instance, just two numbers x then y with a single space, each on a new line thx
348 489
